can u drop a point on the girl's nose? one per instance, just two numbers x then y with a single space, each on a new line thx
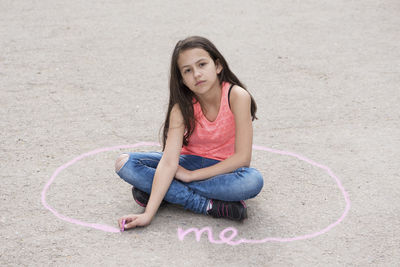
196 72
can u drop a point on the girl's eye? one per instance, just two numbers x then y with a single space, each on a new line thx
201 64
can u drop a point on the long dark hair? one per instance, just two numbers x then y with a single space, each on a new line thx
181 94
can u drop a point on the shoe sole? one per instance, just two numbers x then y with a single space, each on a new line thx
140 204
163 203
137 201
244 213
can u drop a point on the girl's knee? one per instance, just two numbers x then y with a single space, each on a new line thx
248 185
256 180
120 162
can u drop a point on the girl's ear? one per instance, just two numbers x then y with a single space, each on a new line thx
219 66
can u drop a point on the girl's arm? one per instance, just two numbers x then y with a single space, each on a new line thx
240 105
164 174
168 164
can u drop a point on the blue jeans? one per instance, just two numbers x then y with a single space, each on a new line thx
241 184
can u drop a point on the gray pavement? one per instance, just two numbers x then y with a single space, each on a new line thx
76 76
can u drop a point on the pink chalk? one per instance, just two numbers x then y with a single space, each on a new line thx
228 234
102 227
123 225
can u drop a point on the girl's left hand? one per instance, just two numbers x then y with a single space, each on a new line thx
184 175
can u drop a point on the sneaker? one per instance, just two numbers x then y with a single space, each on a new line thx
142 198
236 210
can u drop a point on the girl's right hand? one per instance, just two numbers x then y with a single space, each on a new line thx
134 220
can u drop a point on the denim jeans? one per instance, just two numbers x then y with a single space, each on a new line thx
241 184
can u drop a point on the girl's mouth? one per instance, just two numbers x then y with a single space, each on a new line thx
200 82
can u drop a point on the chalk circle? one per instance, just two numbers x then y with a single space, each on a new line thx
182 233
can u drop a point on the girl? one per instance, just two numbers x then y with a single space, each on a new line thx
207 142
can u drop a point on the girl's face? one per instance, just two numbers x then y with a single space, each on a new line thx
198 70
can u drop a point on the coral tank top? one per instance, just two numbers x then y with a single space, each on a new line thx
213 139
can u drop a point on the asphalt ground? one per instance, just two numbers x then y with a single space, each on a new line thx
76 76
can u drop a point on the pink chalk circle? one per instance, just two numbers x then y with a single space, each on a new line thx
227 235
229 240
102 227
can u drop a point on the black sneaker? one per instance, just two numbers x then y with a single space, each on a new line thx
236 210
142 198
